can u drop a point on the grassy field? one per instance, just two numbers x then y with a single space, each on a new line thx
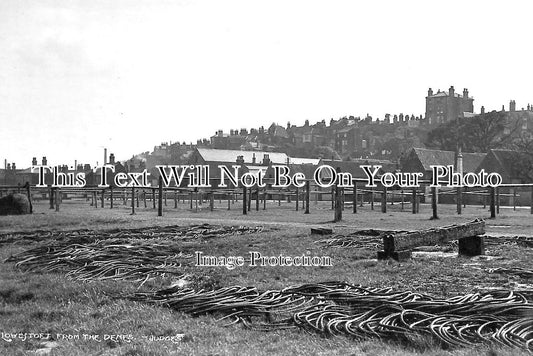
52 303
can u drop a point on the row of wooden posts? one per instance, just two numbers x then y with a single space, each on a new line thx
337 198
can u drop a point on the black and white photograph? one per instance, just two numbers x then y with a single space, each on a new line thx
201 177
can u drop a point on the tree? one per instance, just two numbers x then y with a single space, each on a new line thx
474 134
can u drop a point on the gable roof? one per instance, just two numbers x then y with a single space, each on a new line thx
214 155
230 156
428 157
507 161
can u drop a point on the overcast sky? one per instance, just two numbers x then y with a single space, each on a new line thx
78 76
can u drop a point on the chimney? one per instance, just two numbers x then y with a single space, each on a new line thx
13 166
44 161
105 155
5 163
512 106
451 92
240 160
8 166
430 92
253 158
482 110
34 161
112 158
465 93
266 159
288 125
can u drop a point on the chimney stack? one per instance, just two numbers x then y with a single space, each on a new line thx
512 106
105 155
266 159
253 158
44 161
482 110
240 160
465 93
34 161
13 166
451 92
430 92
112 158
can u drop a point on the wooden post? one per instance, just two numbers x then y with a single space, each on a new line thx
132 200
57 199
338 204
257 200
403 198
103 197
459 200
111 197
95 199
384 200
137 198
498 199
175 199
514 199
229 201
297 198
308 193
372 198
244 201
354 197
249 198
144 198
211 201
492 203
153 199
160 201
264 198
165 198
190 199
434 203
51 192
414 200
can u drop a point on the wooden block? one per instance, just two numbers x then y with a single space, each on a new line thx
472 246
321 231
399 256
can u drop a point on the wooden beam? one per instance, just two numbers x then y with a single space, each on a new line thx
429 237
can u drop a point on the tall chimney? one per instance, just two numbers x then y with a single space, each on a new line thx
465 93
430 92
5 163
482 110
512 106
44 161
34 161
112 158
451 92
105 155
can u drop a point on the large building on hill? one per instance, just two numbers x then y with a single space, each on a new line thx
444 106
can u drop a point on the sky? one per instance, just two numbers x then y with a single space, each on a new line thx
79 76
